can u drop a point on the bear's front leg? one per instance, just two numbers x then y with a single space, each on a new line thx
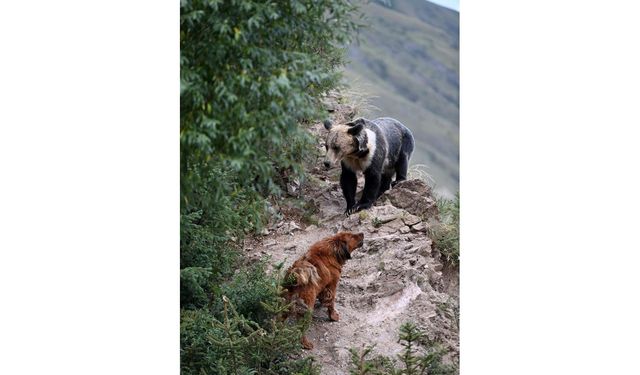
349 184
370 192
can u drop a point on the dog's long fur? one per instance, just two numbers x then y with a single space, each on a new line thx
316 274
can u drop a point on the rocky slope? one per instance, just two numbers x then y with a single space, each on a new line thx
396 277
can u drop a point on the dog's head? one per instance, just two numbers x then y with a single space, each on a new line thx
345 244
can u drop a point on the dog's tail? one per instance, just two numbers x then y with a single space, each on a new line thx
304 273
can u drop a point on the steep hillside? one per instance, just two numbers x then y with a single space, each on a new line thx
407 60
398 276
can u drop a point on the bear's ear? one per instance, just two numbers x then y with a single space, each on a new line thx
356 129
328 124
358 121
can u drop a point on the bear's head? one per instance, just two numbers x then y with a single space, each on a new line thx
344 141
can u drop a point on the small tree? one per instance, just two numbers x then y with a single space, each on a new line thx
419 357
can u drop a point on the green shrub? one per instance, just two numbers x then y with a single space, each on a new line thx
361 365
194 287
250 73
249 290
222 203
233 344
208 253
201 246
446 234
419 356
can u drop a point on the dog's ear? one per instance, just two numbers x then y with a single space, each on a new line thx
342 252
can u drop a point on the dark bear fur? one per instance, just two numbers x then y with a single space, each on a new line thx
379 148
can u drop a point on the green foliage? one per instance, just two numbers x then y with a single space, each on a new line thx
208 253
221 201
233 344
194 287
419 356
249 290
446 234
376 222
379 365
250 71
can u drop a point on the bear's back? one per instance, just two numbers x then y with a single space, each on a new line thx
399 137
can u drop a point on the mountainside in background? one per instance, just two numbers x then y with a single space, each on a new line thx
407 62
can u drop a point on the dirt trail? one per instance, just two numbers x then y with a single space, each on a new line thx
396 277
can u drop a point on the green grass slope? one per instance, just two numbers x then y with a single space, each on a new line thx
407 62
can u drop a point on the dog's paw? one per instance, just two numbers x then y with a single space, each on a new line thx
306 343
334 316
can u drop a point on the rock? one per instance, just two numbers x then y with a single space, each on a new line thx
350 222
287 228
375 245
293 187
405 230
411 219
379 243
293 226
264 232
381 220
392 226
311 228
415 196
357 254
290 247
386 210
434 275
425 250
417 185
270 243
391 288
411 250
420 227
272 211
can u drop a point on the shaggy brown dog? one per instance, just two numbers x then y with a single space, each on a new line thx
317 273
